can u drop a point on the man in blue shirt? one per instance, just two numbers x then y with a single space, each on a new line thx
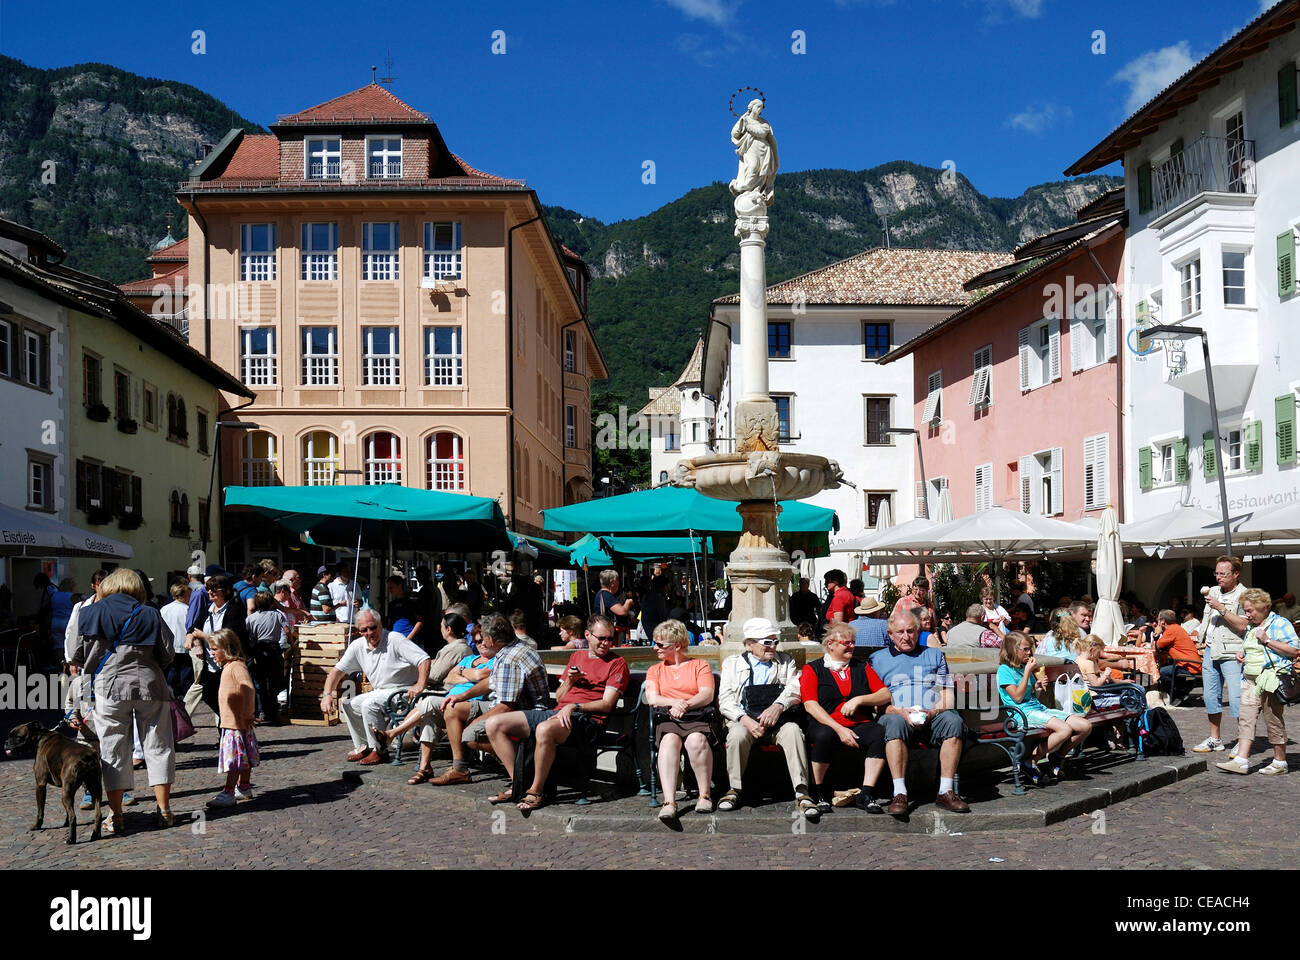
921 710
869 626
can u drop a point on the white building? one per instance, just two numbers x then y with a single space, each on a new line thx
1213 196
33 394
680 419
826 330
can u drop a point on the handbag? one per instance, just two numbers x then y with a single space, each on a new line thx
1073 694
182 725
1288 681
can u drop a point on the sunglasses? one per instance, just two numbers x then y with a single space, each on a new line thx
766 643
664 646
369 628
600 636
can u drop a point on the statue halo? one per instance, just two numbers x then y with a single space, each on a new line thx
731 104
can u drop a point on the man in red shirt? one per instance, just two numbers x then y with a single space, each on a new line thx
840 602
1178 646
593 681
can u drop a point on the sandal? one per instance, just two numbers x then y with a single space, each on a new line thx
668 812
503 797
114 825
421 776
382 736
807 806
730 801
164 819
530 802
704 805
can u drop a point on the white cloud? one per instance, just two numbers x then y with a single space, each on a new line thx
1027 8
1038 117
1266 5
1153 71
717 12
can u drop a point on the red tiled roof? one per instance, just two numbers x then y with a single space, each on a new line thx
371 102
887 276
256 158
178 251
146 286
475 172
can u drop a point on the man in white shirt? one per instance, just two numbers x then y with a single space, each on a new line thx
1223 634
180 675
392 664
343 592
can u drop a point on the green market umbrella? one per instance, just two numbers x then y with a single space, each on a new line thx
596 551
546 553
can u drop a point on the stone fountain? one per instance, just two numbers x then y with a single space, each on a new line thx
757 474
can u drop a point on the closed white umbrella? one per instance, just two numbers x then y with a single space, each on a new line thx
1107 623
883 522
943 513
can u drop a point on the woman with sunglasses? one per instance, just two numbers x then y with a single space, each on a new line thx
679 690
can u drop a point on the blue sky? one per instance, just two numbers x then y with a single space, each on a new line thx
1010 91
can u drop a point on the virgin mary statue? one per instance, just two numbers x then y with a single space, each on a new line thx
756 147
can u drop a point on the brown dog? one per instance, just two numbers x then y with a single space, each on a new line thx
66 764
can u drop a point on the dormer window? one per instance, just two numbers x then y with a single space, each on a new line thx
384 158
324 158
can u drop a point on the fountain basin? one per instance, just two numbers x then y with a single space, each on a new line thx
761 475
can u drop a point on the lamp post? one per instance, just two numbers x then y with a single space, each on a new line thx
925 487
1180 331
212 477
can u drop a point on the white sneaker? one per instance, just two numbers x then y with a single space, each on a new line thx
1235 765
1274 769
222 799
1208 744
244 793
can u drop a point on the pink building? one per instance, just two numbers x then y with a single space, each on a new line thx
1018 398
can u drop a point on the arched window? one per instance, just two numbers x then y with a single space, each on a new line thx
663 476
182 423
180 514
171 414
383 458
446 461
320 458
261 467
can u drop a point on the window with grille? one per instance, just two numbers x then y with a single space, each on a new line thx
877 414
261 468
778 341
381 363
320 357
444 361
324 158
320 458
258 362
383 458
1190 287
446 462
1234 278
875 340
320 251
442 253
383 158
257 252
381 243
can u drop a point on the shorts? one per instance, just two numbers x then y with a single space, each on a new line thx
1039 718
475 729
583 725
944 726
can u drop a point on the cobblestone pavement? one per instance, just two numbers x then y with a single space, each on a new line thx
305 816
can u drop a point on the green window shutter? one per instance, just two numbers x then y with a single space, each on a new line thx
1144 468
1286 263
1207 456
1252 437
1181 473
1144 188
1284 406
1287 106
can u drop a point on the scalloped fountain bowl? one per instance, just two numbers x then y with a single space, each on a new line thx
762 475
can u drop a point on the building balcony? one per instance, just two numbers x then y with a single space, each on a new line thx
1234 360
1207 165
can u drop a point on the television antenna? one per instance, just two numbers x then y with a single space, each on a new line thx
388 79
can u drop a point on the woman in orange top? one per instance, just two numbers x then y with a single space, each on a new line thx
238 746
679 689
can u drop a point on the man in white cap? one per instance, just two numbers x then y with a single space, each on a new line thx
759 690
870 627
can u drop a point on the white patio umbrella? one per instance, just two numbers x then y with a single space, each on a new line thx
27 534
1181 527
864 542
1107 622
1280 523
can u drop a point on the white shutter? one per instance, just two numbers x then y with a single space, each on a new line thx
934 393
1055 346
1089 458
979 387
1024 359
1027 484
921 510
1058 494
1101 473
1112 320
1077 320
983 487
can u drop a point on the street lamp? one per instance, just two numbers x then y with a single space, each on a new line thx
1180 331
212 477
925 487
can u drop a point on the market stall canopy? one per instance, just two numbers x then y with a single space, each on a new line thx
378 515
594 551
27 534
668 511
546 553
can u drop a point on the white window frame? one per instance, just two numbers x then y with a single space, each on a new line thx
1041 478
888 440
260 471
570 425
1040 362
1191 286
380 470
984 487
257 265
40 483
1164 449
383 157
257 369
446 474
981 384
329 160
320 369
1247 276
444 369
1096 471
1237 427
933 410
36 359
320 468
442 262
1093 330
381 263
381 369
320 263
570 351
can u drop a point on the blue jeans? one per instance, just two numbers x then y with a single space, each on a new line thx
1215 675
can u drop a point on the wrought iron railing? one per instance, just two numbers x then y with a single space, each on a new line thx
1207 165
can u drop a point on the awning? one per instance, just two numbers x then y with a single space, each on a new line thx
27 534
546 553
603 551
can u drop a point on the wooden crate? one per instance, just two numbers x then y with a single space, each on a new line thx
317 649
